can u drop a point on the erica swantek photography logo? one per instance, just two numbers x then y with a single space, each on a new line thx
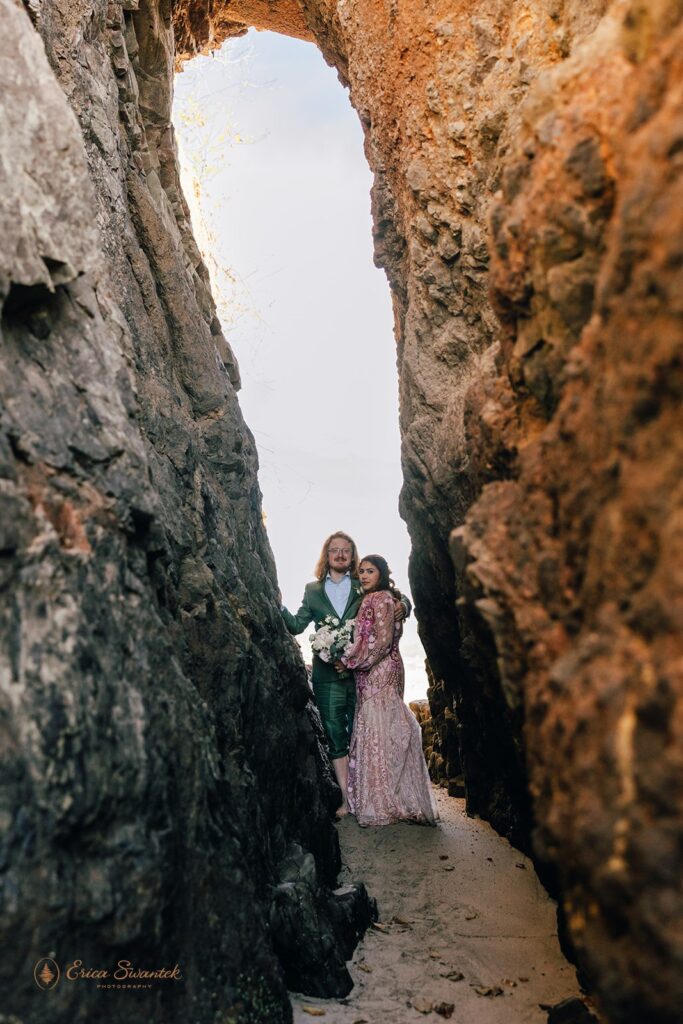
125 974
46 973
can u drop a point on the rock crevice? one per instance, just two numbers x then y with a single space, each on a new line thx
527 211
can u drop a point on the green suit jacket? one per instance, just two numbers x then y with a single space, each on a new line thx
315 605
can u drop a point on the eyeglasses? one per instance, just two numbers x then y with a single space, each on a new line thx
339 551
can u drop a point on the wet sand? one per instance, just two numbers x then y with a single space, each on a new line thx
458 900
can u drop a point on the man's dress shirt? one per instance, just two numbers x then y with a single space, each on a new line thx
338 593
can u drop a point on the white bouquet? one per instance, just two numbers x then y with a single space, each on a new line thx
331 639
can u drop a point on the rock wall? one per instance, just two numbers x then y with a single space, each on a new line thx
163 795
527 210
575 563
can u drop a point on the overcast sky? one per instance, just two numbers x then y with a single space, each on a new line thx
285 192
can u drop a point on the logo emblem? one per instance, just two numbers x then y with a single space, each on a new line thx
46 973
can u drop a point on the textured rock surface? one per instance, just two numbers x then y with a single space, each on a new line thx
161 777
531 153
527 160
587 278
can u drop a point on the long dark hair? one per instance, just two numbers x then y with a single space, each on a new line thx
385 581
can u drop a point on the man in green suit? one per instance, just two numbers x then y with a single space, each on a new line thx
335 592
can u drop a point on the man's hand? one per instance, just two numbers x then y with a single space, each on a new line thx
339 666
399 611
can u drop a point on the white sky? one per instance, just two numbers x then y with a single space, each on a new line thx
285 196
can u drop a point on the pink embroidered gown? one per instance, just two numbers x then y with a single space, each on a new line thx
388 778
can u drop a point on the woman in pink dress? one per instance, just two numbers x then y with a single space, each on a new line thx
388 779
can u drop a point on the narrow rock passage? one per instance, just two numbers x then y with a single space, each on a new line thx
454 900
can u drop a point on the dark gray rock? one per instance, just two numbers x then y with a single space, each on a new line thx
159 754
306 924
571 1011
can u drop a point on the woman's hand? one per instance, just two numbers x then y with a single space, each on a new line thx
339 666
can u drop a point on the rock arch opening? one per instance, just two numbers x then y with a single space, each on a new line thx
309 315
430 215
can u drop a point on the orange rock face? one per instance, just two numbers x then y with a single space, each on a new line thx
528 211
587 278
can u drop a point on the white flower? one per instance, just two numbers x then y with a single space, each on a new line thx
331 638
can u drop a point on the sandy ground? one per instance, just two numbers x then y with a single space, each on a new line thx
454 899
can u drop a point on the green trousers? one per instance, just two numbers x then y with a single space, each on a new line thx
337 703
